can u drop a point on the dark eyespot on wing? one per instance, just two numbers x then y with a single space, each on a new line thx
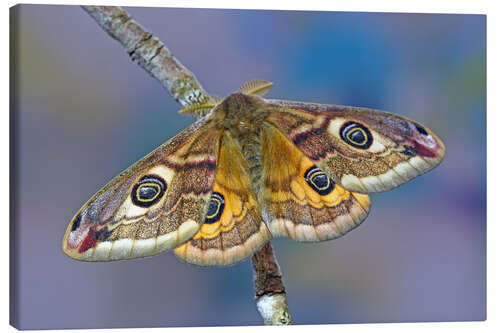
148 190
319 181
215 208
356 135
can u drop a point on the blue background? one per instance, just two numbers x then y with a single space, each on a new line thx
86 112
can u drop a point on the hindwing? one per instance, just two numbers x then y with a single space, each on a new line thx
233 227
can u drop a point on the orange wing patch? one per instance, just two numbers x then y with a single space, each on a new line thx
301 200
231 208
233 227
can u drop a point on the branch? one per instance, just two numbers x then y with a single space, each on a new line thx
150 53
155 58
269 289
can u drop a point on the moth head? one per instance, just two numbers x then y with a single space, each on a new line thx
242 101
254 87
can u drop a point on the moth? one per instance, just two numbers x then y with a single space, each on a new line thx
250 169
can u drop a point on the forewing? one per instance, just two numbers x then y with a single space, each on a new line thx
363 150
154 205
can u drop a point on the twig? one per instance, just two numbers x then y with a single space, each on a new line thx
155 58
269 289
150 53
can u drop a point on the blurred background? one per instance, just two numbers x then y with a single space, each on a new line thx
85 112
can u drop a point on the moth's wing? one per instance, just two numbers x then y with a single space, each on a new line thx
299 199
363 150
233 228
154 205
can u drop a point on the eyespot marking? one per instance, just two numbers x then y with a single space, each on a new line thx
148 190
356 135
215 208
319 181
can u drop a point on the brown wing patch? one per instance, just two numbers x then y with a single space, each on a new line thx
301 201
153 206
233 227
363 150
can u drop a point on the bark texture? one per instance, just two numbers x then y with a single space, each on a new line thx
269 289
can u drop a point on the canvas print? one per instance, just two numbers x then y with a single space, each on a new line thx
202 167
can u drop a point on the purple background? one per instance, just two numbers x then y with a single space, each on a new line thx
86 112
